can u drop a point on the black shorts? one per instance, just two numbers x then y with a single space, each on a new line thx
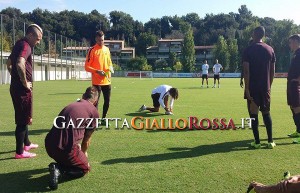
262 99
293 94
155 98
216 76
204 76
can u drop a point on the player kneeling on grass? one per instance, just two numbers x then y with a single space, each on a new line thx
160 96
289 185
63 141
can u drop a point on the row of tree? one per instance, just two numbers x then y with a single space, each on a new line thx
230 33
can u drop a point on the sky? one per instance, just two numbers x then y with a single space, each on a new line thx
143 10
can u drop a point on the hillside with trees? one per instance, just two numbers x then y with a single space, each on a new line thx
229 32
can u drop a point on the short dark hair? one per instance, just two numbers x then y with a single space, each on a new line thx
259 32
33 28
99 33
295 37
174 93
89 92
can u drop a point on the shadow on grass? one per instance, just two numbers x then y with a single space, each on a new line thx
195 129
184 152
31 132
24 181
144 114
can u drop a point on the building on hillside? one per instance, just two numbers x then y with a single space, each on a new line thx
167 46
119 53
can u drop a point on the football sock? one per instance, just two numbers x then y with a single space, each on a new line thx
255 128
268 124
296 118
26 139
20 133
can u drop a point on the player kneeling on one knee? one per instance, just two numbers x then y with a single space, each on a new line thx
67 142
160 96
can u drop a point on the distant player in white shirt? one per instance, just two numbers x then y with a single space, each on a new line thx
160 96
205 68
217 69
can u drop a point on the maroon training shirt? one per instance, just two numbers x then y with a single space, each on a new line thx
21 49
294 71
66 137
260 56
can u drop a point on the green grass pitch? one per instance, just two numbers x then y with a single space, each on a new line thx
154 161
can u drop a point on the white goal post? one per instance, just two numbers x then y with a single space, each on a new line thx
146 74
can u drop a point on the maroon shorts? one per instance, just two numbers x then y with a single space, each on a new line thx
293 94
261 98
22 101
76 158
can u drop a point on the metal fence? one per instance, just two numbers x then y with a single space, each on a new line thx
57 57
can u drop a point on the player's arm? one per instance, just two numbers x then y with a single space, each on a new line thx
246 79
21 69
242 76
86 141
166 100
9 65
272 72
171 104
161 102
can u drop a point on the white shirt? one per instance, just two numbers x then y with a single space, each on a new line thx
217 68
163 90
205 68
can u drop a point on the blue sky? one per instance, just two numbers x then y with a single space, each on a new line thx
144 10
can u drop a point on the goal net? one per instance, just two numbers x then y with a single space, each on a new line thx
139 74
146 75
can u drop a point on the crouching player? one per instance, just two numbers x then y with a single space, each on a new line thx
63 141
160 96
290 185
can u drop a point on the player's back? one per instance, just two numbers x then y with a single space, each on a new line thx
260 57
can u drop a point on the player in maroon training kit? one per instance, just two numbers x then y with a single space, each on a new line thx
293 84
259 68
72 127
19 65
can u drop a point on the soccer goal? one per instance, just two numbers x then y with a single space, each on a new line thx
146 75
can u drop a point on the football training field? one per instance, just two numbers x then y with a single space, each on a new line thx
129 160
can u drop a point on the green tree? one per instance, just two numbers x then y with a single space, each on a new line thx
161 64
146 67
188 49
221 53
233 55
116 67
137 63
283 30
178 66
122 25
145 40
172 58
